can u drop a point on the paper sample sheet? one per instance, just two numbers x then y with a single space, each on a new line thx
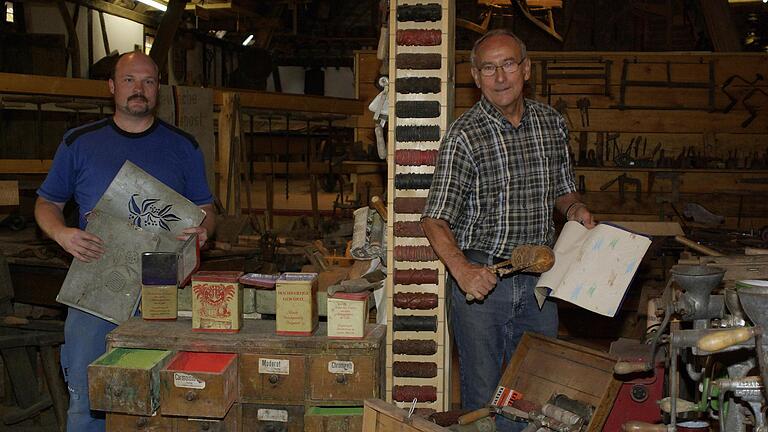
593 268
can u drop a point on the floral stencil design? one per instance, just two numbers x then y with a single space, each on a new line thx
150 213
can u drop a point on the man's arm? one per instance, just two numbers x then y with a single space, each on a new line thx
472 278
574 210
207 226
82 245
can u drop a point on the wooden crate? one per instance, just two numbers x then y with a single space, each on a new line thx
543 366
380 416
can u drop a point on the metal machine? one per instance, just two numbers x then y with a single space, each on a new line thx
713 348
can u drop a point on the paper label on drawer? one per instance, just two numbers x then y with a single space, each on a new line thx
274 366
341 367
183 380
272 415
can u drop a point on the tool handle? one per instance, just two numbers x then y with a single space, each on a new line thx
624 367
475 415
638 426
725 338
697 247
378 204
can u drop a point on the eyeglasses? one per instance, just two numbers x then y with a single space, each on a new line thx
509 66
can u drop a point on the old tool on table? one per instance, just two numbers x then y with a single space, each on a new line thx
531 258
507 412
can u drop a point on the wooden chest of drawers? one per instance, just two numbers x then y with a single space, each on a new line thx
279 379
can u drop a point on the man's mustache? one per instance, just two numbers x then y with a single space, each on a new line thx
139 97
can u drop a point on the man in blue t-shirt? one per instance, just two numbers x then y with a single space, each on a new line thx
85 163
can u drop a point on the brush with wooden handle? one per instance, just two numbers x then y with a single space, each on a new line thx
529 258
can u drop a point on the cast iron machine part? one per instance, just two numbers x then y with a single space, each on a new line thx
718 327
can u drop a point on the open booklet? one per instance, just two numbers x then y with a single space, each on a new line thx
136 214
593 268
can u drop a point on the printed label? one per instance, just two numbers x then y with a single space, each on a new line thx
505 396
341 367
274 366
183 380
264 414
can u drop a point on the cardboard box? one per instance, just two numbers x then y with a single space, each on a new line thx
217 301
296 304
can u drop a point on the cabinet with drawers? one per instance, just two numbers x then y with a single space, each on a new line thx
276 380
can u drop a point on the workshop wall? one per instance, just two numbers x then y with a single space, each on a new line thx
652 134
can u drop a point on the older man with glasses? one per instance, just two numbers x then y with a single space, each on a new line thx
502 168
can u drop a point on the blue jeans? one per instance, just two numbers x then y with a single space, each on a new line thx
487 332
84 341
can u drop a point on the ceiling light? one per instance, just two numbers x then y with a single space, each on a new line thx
248 40
154 4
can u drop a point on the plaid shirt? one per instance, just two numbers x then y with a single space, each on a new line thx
495 184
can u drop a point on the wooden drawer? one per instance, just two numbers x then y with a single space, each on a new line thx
273 418
333 419
199 384
336 377
230 423
127 423
126 380
271 377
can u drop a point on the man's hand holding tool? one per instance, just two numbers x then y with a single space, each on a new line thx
528 258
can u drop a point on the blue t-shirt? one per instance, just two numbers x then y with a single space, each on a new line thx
90 156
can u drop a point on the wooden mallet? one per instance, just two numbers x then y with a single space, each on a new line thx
529 258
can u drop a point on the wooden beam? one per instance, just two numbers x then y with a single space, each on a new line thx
166 32
292 102
53 86
25 166
722 30
38 84
104 6
73 46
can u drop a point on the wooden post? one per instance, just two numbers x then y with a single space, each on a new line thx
166 31
224 150
73 46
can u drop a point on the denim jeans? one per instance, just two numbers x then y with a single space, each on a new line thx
84 341
487 332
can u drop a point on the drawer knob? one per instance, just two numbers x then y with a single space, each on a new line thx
205 426
190 396
341 378
273 379
141 422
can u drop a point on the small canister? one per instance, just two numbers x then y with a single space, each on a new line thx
347 315
217 301
159 285
296 304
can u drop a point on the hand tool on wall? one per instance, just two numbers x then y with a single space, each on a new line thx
583 106
529 258
735 98
561 106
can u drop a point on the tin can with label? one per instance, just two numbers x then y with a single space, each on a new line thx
347 315
217 301
296 304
